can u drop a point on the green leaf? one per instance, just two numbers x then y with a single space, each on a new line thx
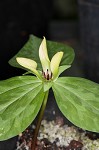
78 100
20 100
31 50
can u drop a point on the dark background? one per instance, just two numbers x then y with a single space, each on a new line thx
20 18
74 22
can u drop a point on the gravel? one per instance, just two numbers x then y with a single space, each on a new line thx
55 135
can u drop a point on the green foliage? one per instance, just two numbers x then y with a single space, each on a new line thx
20 100
22 97
78 100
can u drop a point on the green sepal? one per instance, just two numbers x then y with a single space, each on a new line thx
63 68
47 85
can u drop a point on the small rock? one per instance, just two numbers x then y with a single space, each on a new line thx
59 121
75 145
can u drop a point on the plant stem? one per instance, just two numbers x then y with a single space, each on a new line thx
41 113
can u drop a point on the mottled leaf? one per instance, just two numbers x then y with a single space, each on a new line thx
78 100
20 100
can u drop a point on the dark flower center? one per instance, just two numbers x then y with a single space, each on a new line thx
47 75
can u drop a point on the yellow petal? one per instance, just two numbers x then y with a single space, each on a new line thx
43 55
56 59
29 64
43 50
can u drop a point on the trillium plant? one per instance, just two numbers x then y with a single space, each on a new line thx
23 97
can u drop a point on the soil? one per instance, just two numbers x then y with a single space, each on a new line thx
43 142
